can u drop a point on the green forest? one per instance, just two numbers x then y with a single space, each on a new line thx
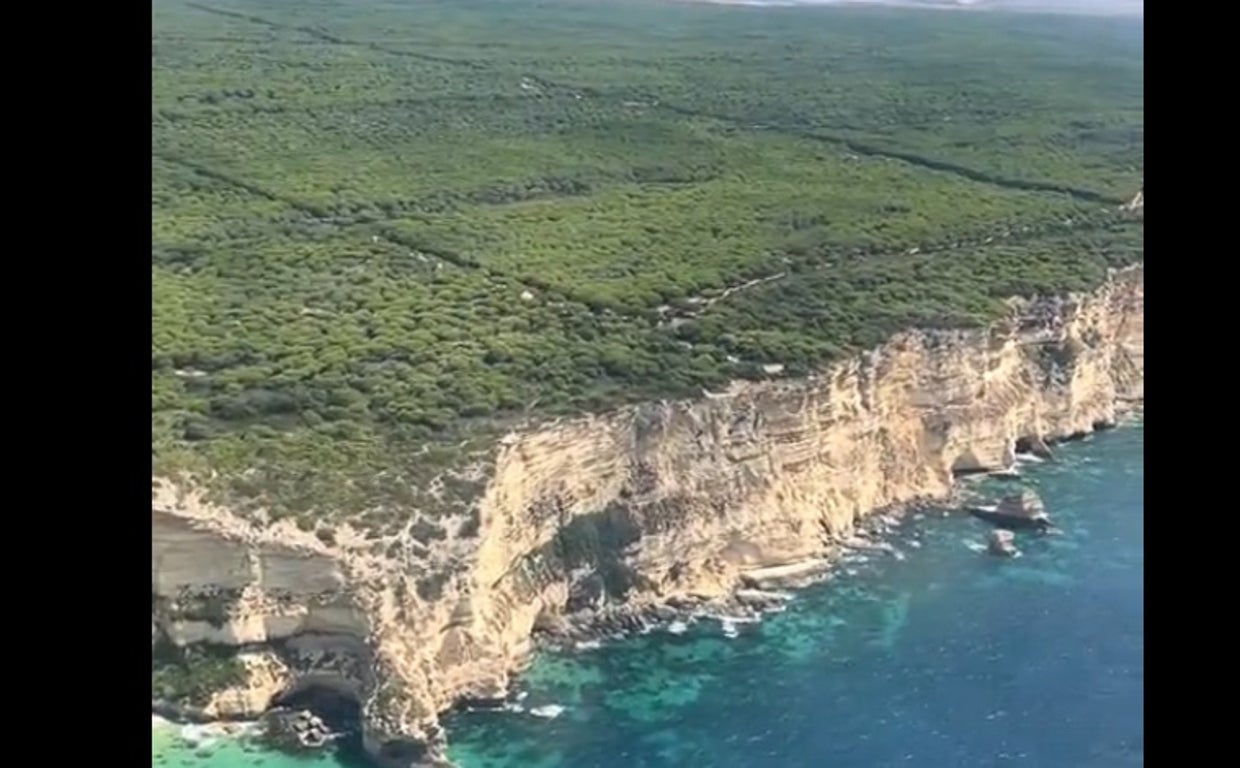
383 231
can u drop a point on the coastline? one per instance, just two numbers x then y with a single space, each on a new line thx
536 466
923 661
203 733
869 539
872 543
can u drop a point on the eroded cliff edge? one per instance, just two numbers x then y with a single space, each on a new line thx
640 505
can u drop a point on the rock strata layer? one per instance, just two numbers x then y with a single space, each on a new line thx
649 506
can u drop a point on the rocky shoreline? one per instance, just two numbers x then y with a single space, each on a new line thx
758 595
762 591
649 518
198 735
300 731
290 731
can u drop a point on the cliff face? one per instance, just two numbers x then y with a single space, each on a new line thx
639 505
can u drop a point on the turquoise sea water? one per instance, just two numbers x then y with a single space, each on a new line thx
943 658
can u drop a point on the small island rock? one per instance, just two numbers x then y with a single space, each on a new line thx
1001 543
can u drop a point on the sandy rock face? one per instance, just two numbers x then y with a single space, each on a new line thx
267 676
640 505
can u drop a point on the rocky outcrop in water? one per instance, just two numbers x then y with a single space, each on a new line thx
626 513
1002 543
1025 505
295 731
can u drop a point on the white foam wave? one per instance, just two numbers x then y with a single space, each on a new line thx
549 711
197 735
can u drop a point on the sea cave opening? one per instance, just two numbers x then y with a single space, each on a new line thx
967 464
339 708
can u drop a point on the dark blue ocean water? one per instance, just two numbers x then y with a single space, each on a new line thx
946 658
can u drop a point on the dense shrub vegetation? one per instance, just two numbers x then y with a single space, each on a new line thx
188 676
382 230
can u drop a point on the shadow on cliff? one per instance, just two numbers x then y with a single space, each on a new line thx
588 551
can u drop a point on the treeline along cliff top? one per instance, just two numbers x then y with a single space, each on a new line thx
383 231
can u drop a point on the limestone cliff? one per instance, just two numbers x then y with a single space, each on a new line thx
640 505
